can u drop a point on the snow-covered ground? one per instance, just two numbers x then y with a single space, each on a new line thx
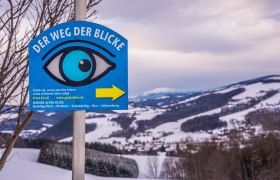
105 126
240 116
177 134
257 90
22 164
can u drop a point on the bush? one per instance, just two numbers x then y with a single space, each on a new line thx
270 120
98 163
203 123
63 129
107 148
4 138
258 160
124 120
35 143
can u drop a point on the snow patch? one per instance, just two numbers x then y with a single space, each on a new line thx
257 90
6 116
50 114
48 125
274 78
223 91
104 128
175 127
163 97
239 117
191 99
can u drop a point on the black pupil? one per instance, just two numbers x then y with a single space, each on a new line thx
84 65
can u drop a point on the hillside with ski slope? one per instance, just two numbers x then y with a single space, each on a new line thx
166 117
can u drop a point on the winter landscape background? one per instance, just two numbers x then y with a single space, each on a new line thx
165 116
204 90
162 120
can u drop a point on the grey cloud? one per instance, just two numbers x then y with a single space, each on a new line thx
171 25
201 42
156 11
224 34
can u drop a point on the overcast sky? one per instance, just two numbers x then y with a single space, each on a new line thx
195 45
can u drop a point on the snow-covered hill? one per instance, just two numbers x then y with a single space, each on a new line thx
23 165
167 117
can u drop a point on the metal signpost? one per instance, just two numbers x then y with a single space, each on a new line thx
78 66
79 124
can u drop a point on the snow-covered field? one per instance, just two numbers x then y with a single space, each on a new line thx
22 164
257 90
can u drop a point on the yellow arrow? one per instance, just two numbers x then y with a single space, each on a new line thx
113 93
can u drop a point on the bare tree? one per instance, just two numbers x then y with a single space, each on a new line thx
153 167
173 168
20 22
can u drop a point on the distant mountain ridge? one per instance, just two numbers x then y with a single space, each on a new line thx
268 78
161 92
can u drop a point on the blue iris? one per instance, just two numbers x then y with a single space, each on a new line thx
77 65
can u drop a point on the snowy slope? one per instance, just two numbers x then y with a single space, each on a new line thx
175 127
23 165
171 132
256 90
104 127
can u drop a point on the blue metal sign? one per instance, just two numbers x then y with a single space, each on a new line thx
78 66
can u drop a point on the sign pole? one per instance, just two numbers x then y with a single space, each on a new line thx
78 160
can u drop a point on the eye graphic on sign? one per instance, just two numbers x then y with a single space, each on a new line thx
77 66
